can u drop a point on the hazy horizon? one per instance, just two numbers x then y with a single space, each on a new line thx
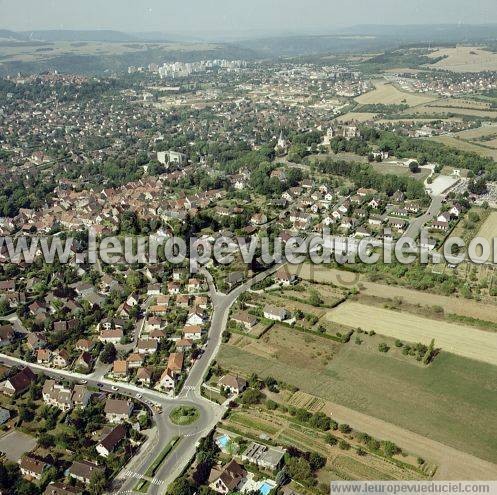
221 17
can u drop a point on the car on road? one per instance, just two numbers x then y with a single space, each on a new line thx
83 382
138 396
100 385
115 388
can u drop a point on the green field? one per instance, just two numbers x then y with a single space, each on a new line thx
452 401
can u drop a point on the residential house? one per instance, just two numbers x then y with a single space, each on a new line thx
144 376
153 289
120 368
229 479
173 288
397 223
83 471
80 396
235 278
274 313
234 384
44 356
4 415
194 285
60 358
7 335
192 332
135 360
284 277
244 318
444 217
33 467
184 345
111 441
18 383
118 410
440 225
54 488
149 346
113 336
84 361
195 317
35 341
263 456
55 394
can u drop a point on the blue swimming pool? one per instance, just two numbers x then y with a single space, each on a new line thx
265 488
223 441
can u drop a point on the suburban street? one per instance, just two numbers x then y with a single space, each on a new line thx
164 430
417 224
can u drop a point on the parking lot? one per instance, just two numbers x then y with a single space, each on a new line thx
15 444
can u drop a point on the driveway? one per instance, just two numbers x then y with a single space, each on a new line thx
15 444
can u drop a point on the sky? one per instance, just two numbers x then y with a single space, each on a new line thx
237 16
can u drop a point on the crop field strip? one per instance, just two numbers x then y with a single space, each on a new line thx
461 340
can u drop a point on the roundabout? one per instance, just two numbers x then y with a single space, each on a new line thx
184 415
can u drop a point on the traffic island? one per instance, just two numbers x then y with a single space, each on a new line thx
184 415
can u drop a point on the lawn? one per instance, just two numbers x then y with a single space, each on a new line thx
465 341
452 401
389 168
184 415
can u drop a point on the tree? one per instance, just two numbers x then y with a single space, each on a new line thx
383 347
181 486
300 470
330 439
108 354
414 167
320 421
98 483
390 448
478 186
316 461
281 477
251 396
315 298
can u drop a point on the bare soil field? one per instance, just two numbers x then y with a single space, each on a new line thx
457 339
473 134
489 228
357 116
464 59
388 94
434 110
45 51
462 103
462 145
462 307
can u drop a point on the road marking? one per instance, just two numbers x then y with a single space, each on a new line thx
133 474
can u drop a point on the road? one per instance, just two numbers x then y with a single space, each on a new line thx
417 224
164 430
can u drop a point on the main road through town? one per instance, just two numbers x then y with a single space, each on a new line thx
163 430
